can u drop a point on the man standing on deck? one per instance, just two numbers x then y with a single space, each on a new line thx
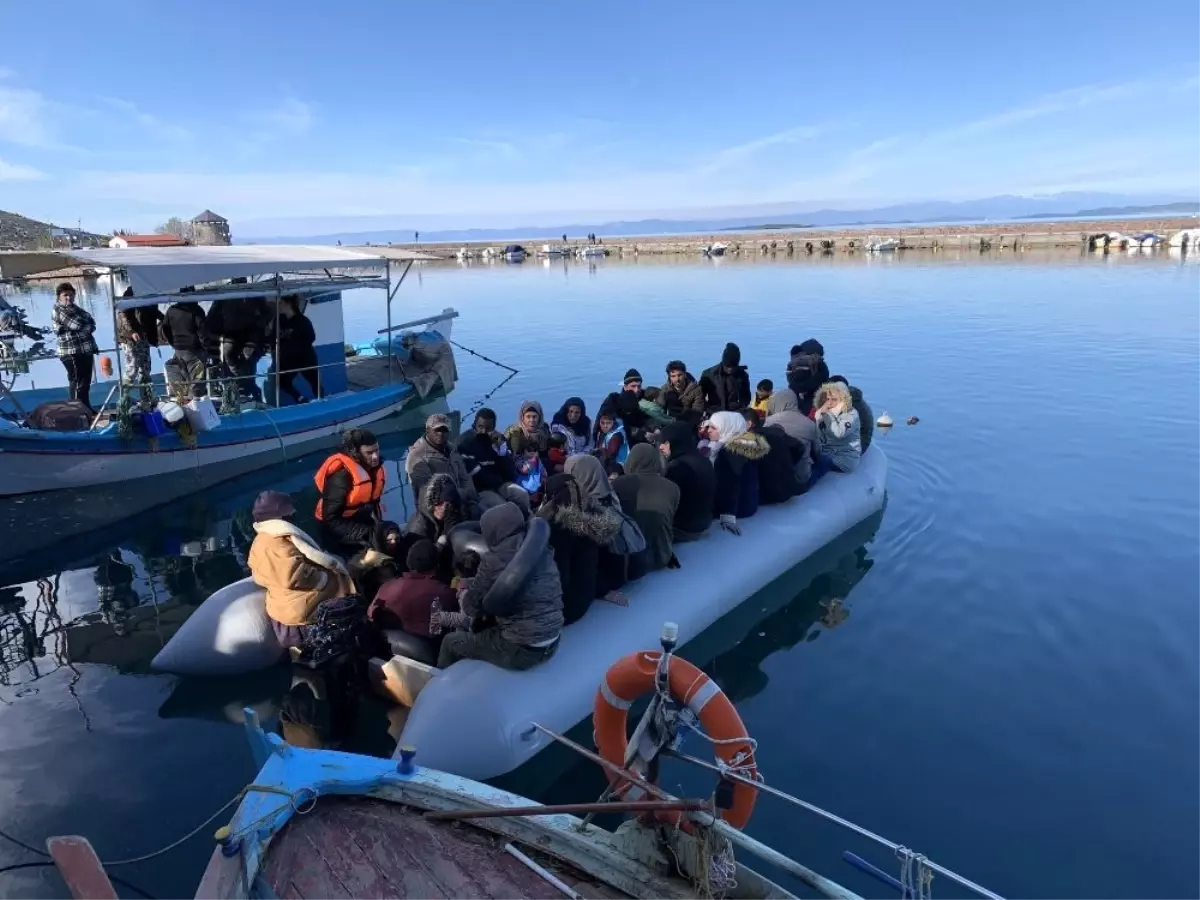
74 328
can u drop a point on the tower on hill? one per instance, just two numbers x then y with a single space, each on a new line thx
209 229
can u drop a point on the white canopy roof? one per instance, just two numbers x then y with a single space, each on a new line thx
164 270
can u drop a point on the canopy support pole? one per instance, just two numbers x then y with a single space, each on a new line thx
390 295
112 296
278 299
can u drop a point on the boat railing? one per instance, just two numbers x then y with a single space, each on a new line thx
209 383
428 320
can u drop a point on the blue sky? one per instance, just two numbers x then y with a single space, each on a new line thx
293 116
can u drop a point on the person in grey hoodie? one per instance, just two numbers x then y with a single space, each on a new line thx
528 626
657 502
783 409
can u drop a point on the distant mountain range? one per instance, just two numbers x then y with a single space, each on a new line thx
1184 207
1006 208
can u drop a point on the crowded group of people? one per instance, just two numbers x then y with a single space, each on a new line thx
227 342
657 466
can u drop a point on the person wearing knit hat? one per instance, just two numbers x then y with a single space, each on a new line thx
726 385
295 573
272 505
406 602
623 406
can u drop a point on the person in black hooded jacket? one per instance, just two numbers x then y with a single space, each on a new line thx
726 385
777 481
806 372
438 511
696 478
578 529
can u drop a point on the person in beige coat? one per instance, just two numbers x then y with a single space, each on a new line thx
296 574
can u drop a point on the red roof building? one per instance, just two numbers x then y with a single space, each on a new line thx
124 241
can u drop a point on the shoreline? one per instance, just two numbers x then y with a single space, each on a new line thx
1017 236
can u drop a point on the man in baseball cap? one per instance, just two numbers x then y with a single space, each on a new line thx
434 454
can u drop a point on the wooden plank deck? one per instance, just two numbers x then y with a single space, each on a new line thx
358 848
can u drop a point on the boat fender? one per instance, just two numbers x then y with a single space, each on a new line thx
500 600
467 536
632 677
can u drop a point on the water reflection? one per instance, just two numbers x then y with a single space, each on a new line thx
124 591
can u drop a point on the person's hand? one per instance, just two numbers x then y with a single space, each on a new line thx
135 337
442 541
729 523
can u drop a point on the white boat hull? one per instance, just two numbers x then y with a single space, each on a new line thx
476 720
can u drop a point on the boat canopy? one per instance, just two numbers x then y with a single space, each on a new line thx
165 270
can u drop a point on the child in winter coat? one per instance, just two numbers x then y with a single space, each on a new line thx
839 428
527 461
611 445
762 394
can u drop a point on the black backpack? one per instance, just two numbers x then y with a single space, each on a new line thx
804 373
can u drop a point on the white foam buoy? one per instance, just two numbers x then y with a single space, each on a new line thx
884 421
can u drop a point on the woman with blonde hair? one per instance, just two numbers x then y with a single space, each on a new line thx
838 427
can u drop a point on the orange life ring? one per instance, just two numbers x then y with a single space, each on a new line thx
631 677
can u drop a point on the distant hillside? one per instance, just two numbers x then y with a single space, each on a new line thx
1004 208
20 233
1184 207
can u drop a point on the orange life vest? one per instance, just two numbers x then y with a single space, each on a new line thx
364 491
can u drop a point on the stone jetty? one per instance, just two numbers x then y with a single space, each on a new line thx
1015 236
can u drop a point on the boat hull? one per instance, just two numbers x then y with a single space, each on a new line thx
491 731
69 494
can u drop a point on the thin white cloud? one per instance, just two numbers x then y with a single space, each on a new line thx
18 172
6 73
736 155
151 124
24 118
290 116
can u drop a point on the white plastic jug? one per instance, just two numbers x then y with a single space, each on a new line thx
171 411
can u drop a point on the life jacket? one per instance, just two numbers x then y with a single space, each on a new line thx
623 453
365 490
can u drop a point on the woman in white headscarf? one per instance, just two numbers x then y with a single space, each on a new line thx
734 453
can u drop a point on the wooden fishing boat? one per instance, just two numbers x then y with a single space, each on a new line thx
128 460
322 823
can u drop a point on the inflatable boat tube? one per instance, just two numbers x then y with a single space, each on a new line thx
467 536
498 601
228 634
491 733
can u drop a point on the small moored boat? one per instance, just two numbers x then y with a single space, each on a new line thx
514 253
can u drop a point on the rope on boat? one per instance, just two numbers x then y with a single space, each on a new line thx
512 373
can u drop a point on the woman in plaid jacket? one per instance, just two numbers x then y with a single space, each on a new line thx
77 348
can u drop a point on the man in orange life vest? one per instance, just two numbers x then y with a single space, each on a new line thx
351 482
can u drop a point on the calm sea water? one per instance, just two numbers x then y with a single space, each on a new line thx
1002 672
